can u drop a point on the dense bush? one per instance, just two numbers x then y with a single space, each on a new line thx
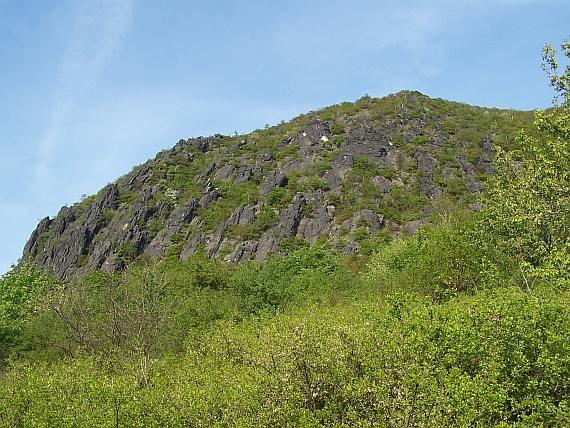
494 358
527 213
453 256
17 291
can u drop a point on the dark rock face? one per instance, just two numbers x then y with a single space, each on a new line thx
243 251
168 202
371 142
472 184
296 164
192 241
243 174
34 243
485 161
333 180
312 137
291 217
372 220
411 227
203 177
382 184
264 158
266 246
318 224
65 242
242 216
284 143
273 179
200 144
426 162
139 177
224 173
180 216
238 175
426 165
210 195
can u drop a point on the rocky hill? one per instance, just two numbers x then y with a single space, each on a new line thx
351 174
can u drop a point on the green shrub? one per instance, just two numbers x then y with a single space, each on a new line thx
337 128
279 197
494 359
284 281
527 211
315 183
18 290
441 261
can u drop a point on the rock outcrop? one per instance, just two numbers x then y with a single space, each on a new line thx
333 175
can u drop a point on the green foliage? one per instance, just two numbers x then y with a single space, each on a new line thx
126 253
84 203
527 213
43 240
307 210
315 183
337 128
292 244
360 233
264 219
372 244
421 140
127 198
363 164
498 358
232 196
285 281
204 272
388 172
154 226
560 82
18 289
442 261
279 197
402 204
338 140
456 186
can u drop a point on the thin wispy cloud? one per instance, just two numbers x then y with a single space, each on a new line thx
98 29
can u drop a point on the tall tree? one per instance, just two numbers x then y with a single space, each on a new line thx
528 208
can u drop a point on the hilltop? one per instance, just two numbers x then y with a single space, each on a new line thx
350 174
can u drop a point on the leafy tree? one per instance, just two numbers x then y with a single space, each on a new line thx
17 290
560 82
527 212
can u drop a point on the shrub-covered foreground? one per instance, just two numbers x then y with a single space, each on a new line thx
497 357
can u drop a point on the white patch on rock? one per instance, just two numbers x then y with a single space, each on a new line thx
304 134
324 138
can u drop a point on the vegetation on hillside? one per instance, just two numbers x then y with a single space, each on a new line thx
466 323
391 156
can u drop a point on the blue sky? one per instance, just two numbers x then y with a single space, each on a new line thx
89 89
